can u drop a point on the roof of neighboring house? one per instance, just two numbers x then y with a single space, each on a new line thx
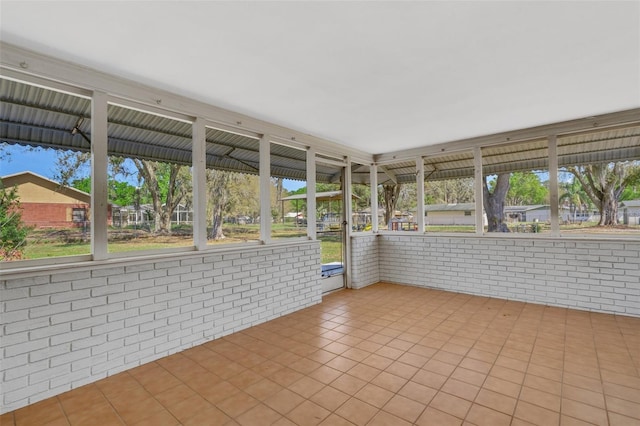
320 196
27 176
472 206
449 207
630 203
526 208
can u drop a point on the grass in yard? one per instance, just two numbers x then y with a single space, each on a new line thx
450 228
330 248
57 243
55 249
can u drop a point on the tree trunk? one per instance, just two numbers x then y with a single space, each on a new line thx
216 231
609 211
162 210
279 189
390 194
494 203
218 182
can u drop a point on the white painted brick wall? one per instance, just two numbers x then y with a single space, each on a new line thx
589 275
364 260
61 330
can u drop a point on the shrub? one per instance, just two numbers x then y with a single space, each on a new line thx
13 237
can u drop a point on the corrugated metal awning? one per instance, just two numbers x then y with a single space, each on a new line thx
36 116
40 117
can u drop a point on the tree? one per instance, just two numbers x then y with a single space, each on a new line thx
83 184
277 192
217 186
68 166
450 191
525 188
494 202
573 196
390 195
14 233
167 185
605 184
231 194
363 194
121 193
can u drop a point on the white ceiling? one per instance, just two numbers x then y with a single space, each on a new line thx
378 76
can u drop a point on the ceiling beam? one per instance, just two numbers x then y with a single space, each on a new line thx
389 173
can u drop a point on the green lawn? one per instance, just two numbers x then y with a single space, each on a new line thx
52 243
330 248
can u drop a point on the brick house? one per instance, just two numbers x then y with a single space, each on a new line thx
47 204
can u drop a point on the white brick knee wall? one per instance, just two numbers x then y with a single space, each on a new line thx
601 276
364 260
64 329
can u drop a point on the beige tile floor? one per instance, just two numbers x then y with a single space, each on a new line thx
383 355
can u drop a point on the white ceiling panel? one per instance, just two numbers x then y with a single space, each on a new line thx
377 76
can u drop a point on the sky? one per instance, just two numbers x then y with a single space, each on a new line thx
16 159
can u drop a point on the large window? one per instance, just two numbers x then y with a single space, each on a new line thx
289 191
516 188
600 194
150 201
233 188
44 209
397 196
449 193
44 197
361 204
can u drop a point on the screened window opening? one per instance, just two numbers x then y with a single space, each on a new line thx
232 188
44 173
289 191
449 193
153 198
516 188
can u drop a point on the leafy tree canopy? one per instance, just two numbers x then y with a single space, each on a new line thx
526 188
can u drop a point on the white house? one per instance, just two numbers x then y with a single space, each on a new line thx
630 212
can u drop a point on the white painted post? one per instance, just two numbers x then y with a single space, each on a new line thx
478 189
99 161
265 189
420 192
373 181
199 176
553 185
348 218
311 193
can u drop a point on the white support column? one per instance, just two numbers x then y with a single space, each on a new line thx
348 218
420 192
99 161
553 185
373 181
478 189
199 176
265 189
311 193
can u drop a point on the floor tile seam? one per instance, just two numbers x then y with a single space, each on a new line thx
58 401
418 416
522 386
113 408
183 383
